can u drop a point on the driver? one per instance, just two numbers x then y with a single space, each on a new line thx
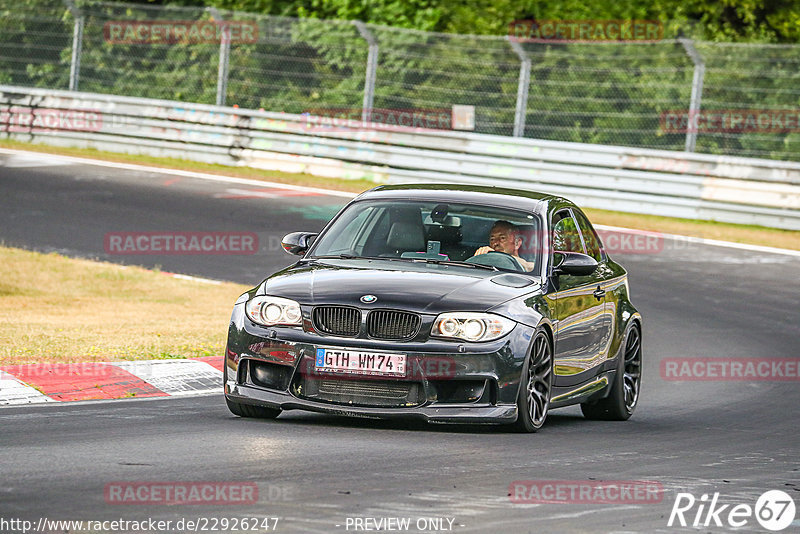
505 237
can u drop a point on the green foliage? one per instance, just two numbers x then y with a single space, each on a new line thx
24 27
597 93
714 20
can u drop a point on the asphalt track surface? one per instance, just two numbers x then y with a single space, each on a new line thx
315 471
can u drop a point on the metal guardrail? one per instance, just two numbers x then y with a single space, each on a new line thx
677 184
633 92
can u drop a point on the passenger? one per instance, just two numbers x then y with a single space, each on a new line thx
505 237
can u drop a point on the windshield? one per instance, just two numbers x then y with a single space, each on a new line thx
499 238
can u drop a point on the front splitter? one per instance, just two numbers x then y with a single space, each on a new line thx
432 413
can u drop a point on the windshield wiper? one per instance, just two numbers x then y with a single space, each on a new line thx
417 260
343 257
459 263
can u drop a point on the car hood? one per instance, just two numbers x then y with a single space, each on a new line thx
421 287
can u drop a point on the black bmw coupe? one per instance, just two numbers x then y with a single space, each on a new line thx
453 304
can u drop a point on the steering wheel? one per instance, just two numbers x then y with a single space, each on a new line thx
495 258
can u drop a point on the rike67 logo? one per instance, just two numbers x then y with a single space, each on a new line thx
774 510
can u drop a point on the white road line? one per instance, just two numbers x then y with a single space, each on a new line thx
27 159
344 194
249 193
702 241
194 278
93 402
189 174
12 391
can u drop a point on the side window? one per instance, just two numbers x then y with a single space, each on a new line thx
345 241
594 247
566 237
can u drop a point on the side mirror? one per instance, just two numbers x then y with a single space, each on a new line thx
298 242
573 263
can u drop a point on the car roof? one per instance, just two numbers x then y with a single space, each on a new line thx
496 196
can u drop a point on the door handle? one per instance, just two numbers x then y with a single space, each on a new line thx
599 293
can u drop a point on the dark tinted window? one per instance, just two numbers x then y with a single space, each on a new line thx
590 238
566 237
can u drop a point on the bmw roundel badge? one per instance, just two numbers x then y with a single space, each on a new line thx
368 299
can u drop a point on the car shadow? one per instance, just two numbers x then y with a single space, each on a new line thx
400 424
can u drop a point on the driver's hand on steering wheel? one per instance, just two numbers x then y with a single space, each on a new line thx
483 250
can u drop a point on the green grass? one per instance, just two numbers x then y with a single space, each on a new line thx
64 310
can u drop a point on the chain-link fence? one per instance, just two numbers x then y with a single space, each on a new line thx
608 93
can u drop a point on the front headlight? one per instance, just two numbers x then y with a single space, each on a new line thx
271 311
471 326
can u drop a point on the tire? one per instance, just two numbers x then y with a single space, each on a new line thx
247 410
624 394
536 385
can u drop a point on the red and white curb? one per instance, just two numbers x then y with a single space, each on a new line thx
60 382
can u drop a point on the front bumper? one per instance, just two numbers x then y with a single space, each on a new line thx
432 413
452 382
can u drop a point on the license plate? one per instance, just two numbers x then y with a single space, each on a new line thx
360 362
